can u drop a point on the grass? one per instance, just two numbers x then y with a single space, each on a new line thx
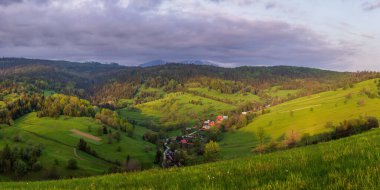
349 163
175 108
236 99
304 115
48 93
59 143
277 92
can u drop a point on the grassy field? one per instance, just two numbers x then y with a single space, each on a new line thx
349 163
277 92
48 92
236 99
59 143
175 108
305 115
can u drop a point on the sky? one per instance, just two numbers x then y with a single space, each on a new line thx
339 35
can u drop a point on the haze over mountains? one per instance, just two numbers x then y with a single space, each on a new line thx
187 61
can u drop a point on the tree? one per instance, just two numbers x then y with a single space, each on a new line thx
105 131
214 134
261 135
53 173
117 136
372 122
72 164
37 166
211 151
20 168
99 132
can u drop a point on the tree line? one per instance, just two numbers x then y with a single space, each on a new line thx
20 160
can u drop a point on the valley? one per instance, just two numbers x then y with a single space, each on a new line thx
182 118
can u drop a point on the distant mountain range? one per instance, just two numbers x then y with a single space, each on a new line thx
190 61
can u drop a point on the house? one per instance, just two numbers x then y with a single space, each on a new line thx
205 127
244 113
211 124
219 118
225 117
183 141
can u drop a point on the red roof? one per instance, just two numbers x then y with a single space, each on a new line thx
183 141
219 118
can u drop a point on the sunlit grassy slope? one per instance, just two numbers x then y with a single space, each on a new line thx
349 163
276 91
237 98
176 107
59 143
305 115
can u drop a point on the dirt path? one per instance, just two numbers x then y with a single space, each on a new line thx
76 155
302 108
300 101
92 137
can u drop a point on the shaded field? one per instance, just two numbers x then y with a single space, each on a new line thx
59 141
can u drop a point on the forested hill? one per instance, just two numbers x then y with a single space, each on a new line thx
87 79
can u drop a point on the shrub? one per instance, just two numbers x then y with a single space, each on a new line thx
20 168
132 165
329 125
211 151
52 173
17 138
260 149
37 166
291 139
72 164
151 137
361 102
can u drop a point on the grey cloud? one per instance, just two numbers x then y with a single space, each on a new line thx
132 36
270 5
371 5
9 2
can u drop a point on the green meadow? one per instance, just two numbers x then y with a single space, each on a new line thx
305 115
59 143
349 163
175 108
276 91
236 99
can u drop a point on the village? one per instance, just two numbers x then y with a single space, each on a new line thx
192 138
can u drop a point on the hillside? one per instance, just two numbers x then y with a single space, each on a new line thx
350 163
176 108
60 137
306 115
108 118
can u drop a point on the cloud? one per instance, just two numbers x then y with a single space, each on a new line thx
133 32
9 2
371 5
